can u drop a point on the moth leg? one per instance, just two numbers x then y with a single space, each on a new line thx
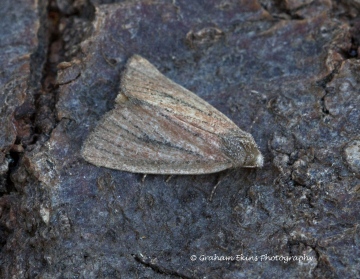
143 178
213 191
168 179
220 177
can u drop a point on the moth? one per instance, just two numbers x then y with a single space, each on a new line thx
159 127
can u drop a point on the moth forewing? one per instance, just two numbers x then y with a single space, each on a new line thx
159 127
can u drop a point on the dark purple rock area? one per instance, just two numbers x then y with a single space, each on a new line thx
288 72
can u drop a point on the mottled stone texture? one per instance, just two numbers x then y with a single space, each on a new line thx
23 45
15 60
287 73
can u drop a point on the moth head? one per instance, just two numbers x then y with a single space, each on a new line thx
242 150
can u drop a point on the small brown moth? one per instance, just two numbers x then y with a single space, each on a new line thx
159 127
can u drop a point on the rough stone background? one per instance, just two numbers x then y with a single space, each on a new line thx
286 71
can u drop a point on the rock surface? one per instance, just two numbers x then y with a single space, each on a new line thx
288 74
